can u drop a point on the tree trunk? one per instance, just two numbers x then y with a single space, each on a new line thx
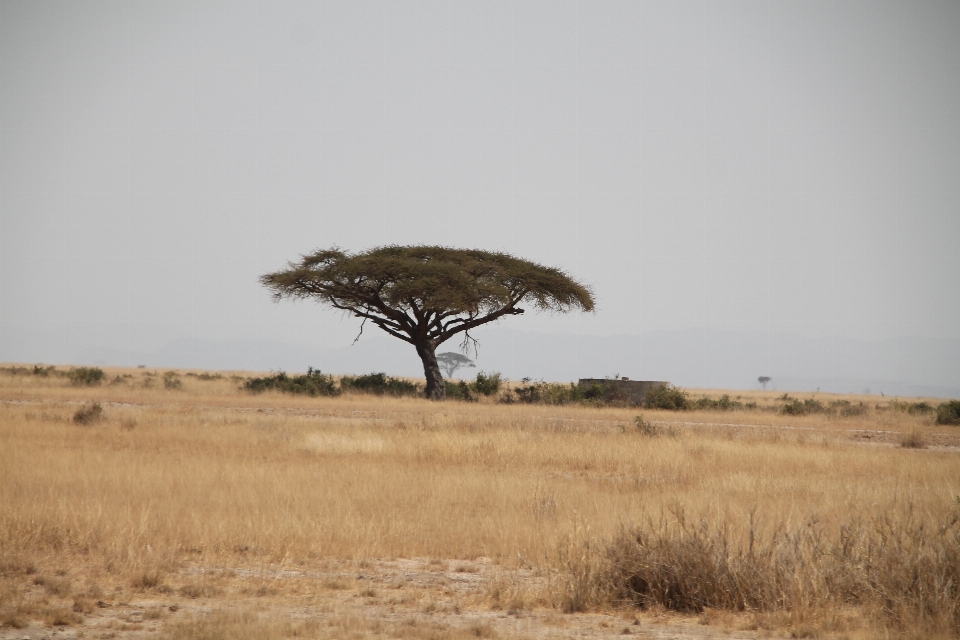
436 387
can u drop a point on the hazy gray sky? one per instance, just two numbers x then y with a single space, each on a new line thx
774 166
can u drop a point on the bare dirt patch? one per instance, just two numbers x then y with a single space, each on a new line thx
400 598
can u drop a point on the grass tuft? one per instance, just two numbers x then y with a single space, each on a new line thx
906 572
89 414
914 440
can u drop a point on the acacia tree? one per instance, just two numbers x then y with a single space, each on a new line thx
426 295
451 361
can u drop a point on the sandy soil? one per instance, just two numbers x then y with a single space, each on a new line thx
405 598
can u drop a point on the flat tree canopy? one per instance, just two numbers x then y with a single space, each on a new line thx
426 295
451 361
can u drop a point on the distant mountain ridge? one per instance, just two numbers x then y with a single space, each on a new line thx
697 358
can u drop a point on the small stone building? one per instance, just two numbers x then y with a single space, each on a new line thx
636 390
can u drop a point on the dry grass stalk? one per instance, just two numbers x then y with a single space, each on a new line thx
895 565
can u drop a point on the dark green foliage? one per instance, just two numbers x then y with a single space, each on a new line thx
86 376
606 395
949 412
440 279
172 381
487 384
795 407
847 409
533 392
920 408
724 403
17 371
205 376
667 397
596 394
913 408
37 370
88 414
461 391
313 383
380 384
843 408
544 393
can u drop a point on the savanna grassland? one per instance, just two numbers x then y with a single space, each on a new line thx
185 507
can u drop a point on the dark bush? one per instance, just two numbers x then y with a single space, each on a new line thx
598 393
487 384
16 371
920 408
724 403
667 397
949 412
795 407
460 390
313 383
86 376
89 414
380 384
172 381
544 393
913 408
847 409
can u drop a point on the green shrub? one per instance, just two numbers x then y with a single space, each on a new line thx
949 412
544 393
172 381
16 371
847 409
313 383
487 385
666 397
204 376
724 403
920 408
86 376
460 390
380 384
913 408
88 414
795 407
598 393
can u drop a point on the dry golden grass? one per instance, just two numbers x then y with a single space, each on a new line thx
208 476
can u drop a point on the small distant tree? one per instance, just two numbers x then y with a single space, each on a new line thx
425 295
763 380
450 362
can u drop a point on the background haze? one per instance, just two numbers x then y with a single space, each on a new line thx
742 182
